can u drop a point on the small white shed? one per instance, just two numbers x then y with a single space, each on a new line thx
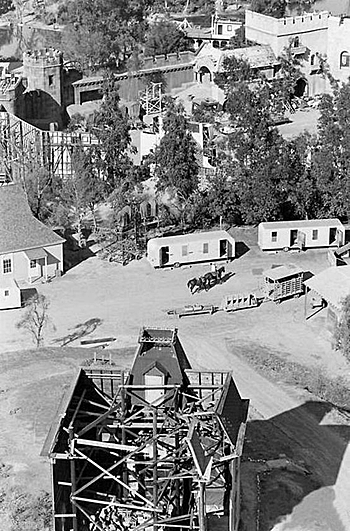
190 248
300 234
10 294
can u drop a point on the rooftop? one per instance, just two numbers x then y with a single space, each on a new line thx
333 285
19 229
193 237
331 222
256 56
280 272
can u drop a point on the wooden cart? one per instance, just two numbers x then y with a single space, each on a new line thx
232 303
194 309
283 282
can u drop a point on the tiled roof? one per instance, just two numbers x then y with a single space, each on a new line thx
256 56
19 229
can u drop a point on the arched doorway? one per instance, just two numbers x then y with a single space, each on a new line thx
204 75
300 87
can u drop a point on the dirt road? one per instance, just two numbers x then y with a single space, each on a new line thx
98 299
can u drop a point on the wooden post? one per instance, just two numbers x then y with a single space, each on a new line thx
305 302
45 274
155 471
73 480
202 517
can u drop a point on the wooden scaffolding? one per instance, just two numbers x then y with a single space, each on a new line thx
120 457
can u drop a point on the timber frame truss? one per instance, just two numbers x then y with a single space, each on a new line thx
119 460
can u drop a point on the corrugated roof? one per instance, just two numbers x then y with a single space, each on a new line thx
193 237
277 273
331 222
19 229
333 285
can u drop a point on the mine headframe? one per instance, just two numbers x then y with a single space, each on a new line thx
147 456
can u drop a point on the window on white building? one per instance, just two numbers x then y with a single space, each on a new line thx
205 248
315 234
344 60
32 264
229 27
274 236
184 250
6 293
7 265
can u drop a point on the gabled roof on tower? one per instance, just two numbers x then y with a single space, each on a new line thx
160 345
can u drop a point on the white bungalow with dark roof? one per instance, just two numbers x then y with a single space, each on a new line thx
29 250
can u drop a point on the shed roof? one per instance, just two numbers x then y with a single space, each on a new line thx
329 222
193 237
277 273
19 229
333 285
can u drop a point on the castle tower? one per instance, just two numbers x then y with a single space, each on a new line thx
43 70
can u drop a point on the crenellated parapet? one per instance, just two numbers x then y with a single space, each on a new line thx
170 59
46 57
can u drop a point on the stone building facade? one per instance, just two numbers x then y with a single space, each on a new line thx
313 37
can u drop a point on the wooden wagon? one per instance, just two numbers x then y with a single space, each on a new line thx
193 309
283 282
232 303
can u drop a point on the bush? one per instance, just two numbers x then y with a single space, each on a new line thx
29 512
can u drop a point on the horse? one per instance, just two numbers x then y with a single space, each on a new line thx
211 278
195 283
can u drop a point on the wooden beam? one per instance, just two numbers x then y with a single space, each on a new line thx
117 504
96 524
68 515
110 445
97 421
115 478
77 408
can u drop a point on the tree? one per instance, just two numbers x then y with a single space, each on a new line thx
6 6
37 182
175 158
256 149
81 191
273 8
102 33
112 128
36 318
165 37
342 330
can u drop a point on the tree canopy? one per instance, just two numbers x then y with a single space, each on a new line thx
175 159
273 8
165 37
112 128
100 33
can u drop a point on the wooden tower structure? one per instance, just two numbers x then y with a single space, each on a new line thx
154 447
